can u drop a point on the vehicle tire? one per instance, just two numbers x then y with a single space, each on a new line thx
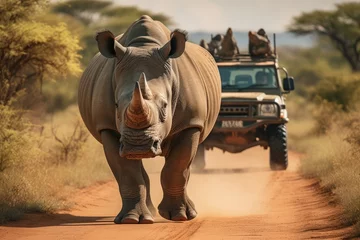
198 164
278 147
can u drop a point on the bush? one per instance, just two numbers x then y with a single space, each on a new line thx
59 95
32 51
340 91
22 184
325 115
68 147
334 159
15 142
29 179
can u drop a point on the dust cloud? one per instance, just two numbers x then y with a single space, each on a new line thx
232 184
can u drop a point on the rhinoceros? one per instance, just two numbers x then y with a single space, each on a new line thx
147 93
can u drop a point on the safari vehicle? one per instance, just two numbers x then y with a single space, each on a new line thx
253 109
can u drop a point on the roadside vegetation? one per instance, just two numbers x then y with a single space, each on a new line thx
324 110
46 153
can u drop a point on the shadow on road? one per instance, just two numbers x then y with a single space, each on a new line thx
231 170
38 220
60 219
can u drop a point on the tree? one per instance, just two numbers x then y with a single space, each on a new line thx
341 26
101 14
30 50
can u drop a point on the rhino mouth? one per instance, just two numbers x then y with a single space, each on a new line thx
131 151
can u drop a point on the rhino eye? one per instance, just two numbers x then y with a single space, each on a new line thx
162 113
116 105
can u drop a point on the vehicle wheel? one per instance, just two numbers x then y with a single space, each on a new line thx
198 164
278 147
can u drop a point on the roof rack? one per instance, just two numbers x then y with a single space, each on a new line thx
249 58
245 58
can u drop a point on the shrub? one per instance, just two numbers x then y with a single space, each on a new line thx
68 147
340 91
15 141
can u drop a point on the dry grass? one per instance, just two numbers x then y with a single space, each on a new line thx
33 183
332 156
336 163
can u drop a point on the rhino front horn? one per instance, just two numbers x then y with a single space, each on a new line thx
145 89
138 113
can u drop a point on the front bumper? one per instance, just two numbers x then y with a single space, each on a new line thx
245 129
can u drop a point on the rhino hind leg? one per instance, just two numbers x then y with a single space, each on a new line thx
133 183
176 204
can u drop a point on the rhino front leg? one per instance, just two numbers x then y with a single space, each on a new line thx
133 181
176 205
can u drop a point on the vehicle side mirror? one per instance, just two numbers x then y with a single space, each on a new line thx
288 84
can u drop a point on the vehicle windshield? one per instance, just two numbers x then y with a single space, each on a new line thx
247 77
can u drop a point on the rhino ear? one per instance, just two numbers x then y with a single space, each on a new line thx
176 46
108 46
105 41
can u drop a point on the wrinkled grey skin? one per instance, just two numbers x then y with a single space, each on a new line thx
148 93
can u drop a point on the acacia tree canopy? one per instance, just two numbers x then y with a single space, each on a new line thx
30 50
341 26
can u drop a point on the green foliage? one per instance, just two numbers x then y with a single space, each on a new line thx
13 11
340 91
310 66
83 10
14 137
58 95
32 51
325 115
341 26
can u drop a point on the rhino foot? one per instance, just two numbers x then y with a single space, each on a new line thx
134 212
177 208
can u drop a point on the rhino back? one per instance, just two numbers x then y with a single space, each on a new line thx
96 95
200 90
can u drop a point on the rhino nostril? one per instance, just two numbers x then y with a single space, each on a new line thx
156 144
121 146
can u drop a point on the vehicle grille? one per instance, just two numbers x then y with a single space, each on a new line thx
241 110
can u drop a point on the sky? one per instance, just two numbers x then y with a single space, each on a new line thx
241 15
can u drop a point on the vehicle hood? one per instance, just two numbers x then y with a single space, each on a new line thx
249 96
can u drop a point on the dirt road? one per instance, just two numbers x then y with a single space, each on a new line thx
236 198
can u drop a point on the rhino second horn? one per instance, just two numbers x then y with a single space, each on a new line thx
138 114
144 86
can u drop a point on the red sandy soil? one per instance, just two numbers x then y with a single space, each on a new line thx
237 197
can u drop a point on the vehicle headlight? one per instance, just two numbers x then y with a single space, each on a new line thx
268 110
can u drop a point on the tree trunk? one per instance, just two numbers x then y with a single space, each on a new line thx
356 67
